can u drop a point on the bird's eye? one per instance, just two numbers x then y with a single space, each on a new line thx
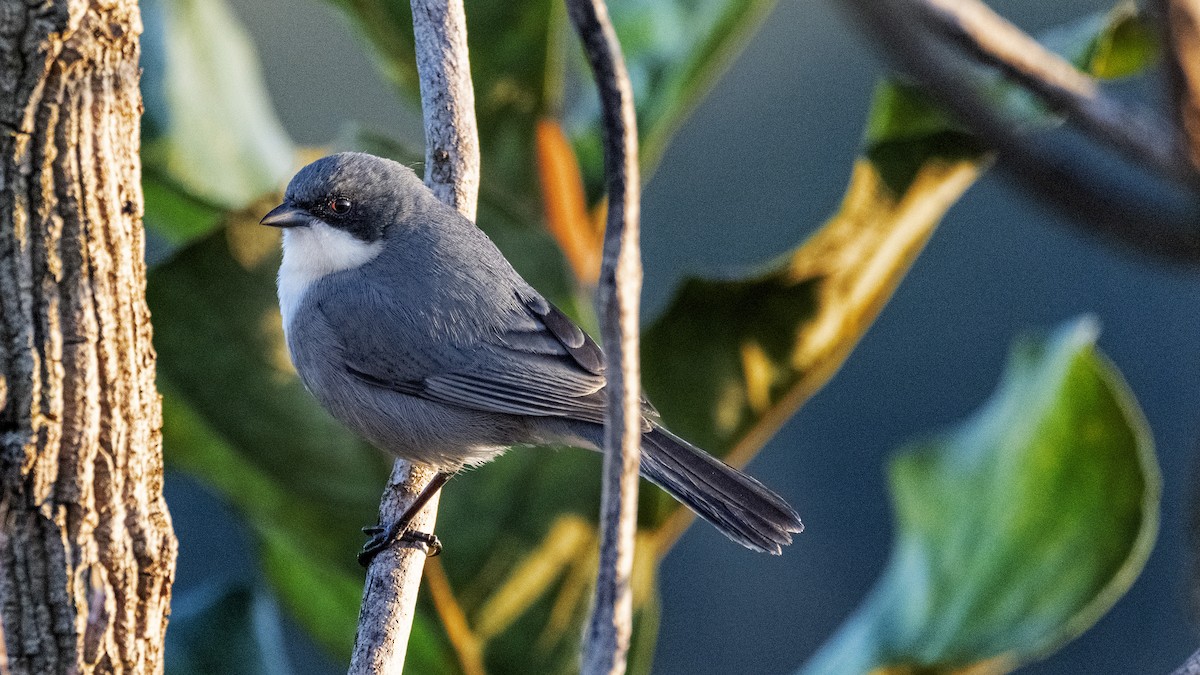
340 206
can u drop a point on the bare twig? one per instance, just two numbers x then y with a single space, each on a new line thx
1189 667
452 171
1182 29
610 626
993 41
1147 216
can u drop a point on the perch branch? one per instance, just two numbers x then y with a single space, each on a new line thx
1147 216
606 640
452 171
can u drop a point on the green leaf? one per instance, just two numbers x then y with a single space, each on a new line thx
228 630
674 51
523 52
905 126
208 127
1017 530
1111 45
510 44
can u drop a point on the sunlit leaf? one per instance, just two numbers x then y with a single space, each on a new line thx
1116 44
730 361
1017 530
208 127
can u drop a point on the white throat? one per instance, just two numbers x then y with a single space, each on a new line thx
311 252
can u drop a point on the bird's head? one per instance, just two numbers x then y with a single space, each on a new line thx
350 192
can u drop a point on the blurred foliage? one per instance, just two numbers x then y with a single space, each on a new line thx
524 63
727 363
1016 531
208 126
243 621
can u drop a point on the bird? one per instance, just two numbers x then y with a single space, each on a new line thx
407 323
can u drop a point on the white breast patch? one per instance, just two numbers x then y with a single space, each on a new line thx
311 252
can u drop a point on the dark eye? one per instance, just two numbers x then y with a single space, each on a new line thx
340 205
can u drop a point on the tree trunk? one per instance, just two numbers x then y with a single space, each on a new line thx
87 554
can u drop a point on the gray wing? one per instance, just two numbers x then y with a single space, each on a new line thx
538 363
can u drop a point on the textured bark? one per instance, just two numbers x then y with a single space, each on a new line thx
87 553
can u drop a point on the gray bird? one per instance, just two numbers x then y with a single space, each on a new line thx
407 323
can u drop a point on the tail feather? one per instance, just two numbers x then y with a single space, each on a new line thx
739 506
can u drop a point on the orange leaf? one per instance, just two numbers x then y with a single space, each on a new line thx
566 210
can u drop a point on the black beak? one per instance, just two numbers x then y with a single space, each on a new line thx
286 215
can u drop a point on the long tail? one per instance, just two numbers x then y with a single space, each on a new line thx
742 508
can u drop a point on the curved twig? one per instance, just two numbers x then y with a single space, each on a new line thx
606 640
1148 216
452 171
993 41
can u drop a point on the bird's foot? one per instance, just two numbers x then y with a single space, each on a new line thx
383 538
433 545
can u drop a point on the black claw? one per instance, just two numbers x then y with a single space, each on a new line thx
433 545
372 548
383 538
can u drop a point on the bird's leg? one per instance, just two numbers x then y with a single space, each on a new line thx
383 537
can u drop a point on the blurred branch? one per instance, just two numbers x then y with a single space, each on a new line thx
465 642
1150 216
606 640
1182 30
1189 667
452 171
993 41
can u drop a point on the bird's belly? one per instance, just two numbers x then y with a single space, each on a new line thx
411 428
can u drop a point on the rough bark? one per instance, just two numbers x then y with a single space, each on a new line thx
87 554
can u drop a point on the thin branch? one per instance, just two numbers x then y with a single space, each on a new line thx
447 102
452 171
1125 206
1182 29
606 641
993 41
393 579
